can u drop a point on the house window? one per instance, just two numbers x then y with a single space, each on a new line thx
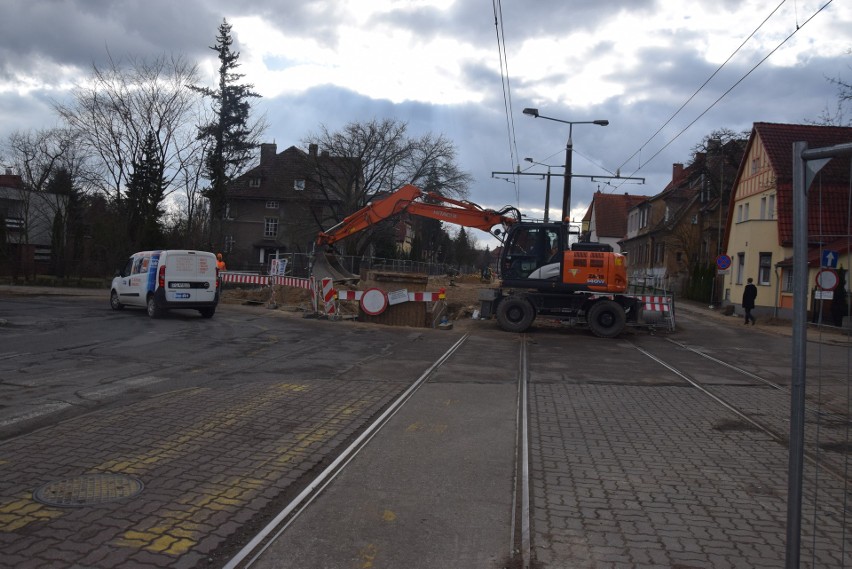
228 211
739 213
659 252
764 271
770 209
299 185
788 280
763 207
272 204
229 243
270 227
755 165
745 211
254 182
740 267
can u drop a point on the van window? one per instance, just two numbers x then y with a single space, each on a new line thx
137 266
128 268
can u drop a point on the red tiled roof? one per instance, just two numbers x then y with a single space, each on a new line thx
610 212
11 181
828 197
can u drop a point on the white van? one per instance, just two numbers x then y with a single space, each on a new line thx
160 280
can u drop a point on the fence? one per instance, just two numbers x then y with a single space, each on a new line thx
298 265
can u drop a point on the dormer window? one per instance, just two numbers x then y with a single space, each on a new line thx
272 204
254 182
299 185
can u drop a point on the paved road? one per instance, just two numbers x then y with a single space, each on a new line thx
225 420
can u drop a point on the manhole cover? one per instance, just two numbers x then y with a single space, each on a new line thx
88 490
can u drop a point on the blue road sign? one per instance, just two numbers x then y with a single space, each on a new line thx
829 259
723 262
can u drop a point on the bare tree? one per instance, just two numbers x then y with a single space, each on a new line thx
365 159
41 158
119 104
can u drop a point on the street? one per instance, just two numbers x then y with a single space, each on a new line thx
636 443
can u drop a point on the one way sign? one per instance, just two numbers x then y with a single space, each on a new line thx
829 259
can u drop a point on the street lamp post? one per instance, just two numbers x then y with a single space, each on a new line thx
547 190
569 151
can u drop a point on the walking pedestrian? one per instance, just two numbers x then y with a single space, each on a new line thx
749 294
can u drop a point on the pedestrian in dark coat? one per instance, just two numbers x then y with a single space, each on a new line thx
749 294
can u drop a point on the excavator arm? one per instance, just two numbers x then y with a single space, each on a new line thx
411 199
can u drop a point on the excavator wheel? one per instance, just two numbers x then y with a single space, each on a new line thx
606 319
515 314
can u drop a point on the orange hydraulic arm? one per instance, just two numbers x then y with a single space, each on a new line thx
411 199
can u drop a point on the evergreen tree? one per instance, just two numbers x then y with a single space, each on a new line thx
230 133
144 197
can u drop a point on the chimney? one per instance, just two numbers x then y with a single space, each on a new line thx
677 170
312 150
267 153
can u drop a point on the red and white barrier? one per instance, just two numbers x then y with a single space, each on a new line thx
328 296
412 296
656 303
293 282
244 278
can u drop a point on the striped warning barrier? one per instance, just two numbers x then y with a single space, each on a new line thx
656 303
244 278
412 296
293 282
328 294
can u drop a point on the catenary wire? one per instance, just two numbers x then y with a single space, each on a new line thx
691 97
731 88
507 94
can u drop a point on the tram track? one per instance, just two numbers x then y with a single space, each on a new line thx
768 413
519 547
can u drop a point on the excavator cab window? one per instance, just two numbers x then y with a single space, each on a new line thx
529 249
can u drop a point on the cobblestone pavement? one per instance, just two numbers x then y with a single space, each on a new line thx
633 476
211 461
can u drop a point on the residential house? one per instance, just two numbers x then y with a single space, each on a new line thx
26 236
673 238
759 230
606 219
280 206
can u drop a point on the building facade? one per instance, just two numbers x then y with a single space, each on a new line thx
279 206
759 229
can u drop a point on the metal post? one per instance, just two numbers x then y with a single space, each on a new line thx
566 192
795 467
547 198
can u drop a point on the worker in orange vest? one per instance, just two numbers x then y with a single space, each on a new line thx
220 264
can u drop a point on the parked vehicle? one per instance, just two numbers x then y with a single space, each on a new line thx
162 280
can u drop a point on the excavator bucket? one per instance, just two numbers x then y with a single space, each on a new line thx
325 264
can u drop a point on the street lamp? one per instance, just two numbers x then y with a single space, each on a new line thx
547 191
569 151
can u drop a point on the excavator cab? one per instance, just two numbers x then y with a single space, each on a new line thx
538 256
532 252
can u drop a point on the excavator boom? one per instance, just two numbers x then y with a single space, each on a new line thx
413 200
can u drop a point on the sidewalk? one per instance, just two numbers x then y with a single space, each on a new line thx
825 334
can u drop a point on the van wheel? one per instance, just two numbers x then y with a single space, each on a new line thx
207 312
515 314
154 309
113 301
606 319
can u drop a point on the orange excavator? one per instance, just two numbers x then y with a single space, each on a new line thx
540 272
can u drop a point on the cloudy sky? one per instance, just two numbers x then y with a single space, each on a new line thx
437 65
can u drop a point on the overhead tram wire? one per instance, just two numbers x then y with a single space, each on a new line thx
714 103
507 94
718 69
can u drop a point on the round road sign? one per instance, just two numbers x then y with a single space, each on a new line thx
374 301
826 279
723 262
